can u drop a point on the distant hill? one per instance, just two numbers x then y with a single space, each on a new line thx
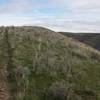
40 64
92 39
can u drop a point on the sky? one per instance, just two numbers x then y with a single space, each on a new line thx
58 15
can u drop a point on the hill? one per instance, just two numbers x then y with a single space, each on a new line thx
92 39
40 64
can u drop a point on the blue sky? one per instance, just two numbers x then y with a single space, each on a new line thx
59 15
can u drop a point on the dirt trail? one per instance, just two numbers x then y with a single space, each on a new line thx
4 88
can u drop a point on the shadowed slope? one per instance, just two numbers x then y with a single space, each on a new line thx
92 39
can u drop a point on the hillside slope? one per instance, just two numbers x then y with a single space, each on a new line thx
92 39
42 63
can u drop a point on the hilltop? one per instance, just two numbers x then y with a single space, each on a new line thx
41 64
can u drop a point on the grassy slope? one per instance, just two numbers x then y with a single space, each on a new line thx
41 57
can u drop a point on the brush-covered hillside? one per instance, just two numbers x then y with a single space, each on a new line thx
92 39
40 64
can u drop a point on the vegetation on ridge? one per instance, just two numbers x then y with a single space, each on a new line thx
45 65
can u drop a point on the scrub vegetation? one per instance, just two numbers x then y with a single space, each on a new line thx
40 64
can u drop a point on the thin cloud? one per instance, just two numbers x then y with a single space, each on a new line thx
20 6
78 4
75 15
